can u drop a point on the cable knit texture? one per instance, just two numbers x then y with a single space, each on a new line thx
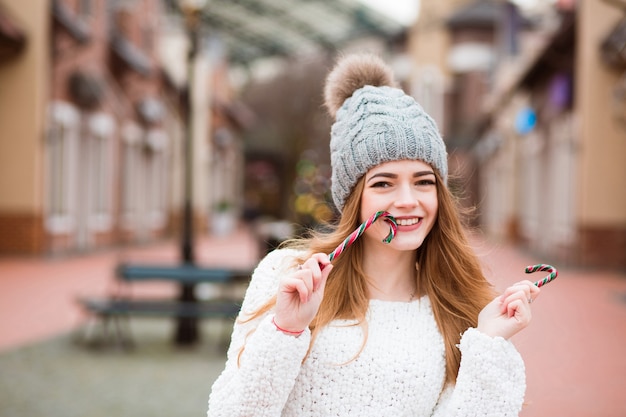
376 125
400 371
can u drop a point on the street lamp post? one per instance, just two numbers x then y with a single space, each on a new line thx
187 328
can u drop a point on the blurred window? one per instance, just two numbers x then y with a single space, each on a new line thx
99 155
61 159
144 181
156 177
131 176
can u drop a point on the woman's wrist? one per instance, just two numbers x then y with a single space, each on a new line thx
286 331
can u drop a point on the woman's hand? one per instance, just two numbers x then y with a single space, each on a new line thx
510 312
300 294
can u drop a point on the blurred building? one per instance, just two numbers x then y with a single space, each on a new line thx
109 132
23 77
454 45
97 96
92 127
281 52
89 120
532 108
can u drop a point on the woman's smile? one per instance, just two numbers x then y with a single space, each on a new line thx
408 190
406 222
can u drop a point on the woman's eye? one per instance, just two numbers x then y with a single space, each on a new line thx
426 182
381 184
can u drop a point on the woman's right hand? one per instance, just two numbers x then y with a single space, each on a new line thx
300 293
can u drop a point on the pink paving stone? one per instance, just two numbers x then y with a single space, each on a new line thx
38 295
573 349
574 346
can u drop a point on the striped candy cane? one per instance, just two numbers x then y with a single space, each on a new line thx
543 267
393 227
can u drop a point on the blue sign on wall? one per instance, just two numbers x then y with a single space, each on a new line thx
525 120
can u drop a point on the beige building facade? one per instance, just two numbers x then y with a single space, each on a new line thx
557 187
93 129
25 89
601 202
549 135
95 99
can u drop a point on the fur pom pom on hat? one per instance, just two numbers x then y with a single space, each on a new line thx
375 123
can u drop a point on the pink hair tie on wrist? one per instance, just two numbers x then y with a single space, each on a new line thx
289 332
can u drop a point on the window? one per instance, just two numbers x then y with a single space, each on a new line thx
144 179
131 176
61 168
156 177
99 157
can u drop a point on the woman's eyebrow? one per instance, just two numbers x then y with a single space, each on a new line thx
383 175
392 175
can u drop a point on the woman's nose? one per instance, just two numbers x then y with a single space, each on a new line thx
406 197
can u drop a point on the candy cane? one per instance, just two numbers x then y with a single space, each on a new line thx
393 227
543 267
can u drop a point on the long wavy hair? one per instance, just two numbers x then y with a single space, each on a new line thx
448 272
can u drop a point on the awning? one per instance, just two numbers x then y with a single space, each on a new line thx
75 25
132 56
252 29
613 48
12 37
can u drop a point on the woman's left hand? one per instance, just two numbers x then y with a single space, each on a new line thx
510 312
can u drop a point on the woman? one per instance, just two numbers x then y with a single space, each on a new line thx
409 328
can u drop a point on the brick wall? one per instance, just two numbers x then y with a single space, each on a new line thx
603 247
21 233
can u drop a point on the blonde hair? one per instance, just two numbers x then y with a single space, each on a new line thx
449 273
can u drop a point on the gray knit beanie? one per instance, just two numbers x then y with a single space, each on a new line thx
375 123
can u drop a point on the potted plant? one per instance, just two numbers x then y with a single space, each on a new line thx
224 218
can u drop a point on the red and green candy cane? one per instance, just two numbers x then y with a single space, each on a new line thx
393 227
553 273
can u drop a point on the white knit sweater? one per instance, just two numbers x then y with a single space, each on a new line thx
400 371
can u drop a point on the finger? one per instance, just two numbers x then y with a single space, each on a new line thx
321 284
511 308
519 294
322 261
515 288
520 311
306 275
313 263
321 258
534 290
296 285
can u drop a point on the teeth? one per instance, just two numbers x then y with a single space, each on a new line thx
408 222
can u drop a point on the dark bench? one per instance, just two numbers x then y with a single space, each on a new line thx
184 274
120 305
162 308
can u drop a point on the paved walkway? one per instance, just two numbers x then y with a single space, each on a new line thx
574 348
38 295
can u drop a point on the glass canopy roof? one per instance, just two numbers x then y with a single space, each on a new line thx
253 29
